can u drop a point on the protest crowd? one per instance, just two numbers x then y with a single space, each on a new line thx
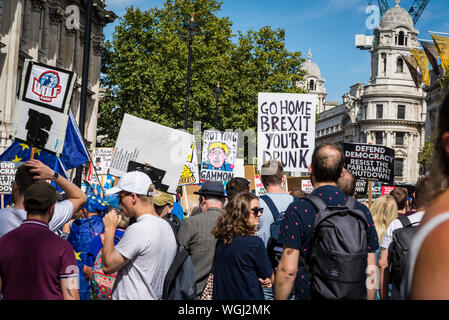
136 242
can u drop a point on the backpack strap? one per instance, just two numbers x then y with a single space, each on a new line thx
405 221
317 202
274 210
350 203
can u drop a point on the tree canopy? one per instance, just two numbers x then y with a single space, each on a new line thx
145 68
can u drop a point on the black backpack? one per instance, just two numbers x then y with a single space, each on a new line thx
274 247
180 280
338 259
402 239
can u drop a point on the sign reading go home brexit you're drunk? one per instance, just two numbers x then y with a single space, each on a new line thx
286 129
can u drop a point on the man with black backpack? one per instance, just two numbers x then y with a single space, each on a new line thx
274 204
329 238
393 260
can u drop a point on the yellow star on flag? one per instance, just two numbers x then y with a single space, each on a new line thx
16 159
24 146
77 255
38 151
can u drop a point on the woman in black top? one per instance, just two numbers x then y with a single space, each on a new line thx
241 264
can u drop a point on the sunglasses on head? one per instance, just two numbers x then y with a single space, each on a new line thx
255 211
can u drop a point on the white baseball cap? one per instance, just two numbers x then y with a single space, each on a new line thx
135 181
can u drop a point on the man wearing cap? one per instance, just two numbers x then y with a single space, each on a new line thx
195 233
163 204
12 217
148 247
36 264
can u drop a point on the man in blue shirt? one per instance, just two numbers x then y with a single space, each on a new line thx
298 223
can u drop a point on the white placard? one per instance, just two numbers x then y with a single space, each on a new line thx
152 144
48 86
286 129
102 160
306 186
218 156
51 129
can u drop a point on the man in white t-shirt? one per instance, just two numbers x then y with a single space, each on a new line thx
12 217
384 262
148 247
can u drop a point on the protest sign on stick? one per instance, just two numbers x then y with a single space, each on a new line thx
218 156
370 162
286 129
149 143
41 112
190 173
8 171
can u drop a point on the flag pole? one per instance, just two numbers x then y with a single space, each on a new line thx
33 150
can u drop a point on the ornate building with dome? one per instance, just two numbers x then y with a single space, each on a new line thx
389 110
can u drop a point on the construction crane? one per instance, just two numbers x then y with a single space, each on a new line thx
415 10
364 42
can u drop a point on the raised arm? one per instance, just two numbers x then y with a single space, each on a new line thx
74 194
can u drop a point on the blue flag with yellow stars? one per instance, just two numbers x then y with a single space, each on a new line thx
73 154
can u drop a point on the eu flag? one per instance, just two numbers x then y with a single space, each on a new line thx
73 154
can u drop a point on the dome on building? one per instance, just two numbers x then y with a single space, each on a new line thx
396 16
312 68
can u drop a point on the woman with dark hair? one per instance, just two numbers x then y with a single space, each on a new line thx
241 264
428 277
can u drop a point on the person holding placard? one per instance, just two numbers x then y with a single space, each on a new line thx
12 217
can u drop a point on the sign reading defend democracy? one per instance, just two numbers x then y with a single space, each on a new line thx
218 157
370 162
8 171
286 129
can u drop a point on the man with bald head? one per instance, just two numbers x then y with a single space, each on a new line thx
297 227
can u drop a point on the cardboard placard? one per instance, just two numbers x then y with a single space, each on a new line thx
218 156
149 143
286 129
370 162
8 171
190 174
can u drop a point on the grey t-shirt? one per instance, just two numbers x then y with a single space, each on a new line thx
150 245
282 201
11 218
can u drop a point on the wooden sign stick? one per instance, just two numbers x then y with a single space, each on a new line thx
33 150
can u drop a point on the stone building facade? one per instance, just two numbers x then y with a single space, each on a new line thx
389 110
50 32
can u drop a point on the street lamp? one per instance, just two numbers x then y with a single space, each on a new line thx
192 28
218 91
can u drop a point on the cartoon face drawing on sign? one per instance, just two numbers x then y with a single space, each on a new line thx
218 153
47 86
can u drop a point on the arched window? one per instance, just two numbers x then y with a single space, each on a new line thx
401 38
400 65
312 85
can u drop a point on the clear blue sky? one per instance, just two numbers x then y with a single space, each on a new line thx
327 27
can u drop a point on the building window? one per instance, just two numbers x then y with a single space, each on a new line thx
398 167
401 39
379 137
379 111
384 61
312 85
401 112
400 65
399 138
363 138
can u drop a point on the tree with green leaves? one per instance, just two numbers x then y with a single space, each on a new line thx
145 68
